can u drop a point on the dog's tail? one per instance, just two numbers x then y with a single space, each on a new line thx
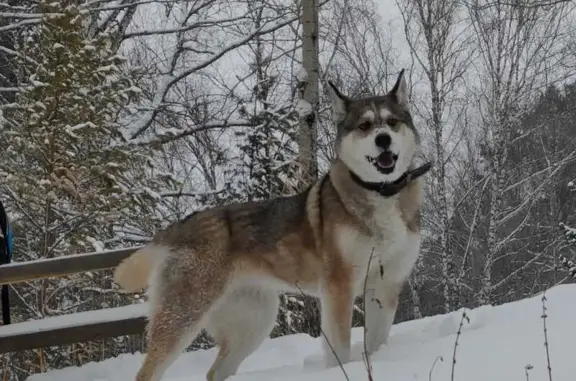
133 273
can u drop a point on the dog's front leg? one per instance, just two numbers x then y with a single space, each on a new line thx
337 302
381 302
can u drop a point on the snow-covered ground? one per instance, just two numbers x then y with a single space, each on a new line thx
497 344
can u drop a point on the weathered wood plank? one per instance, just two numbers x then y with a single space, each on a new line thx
70 335
73 328
56 267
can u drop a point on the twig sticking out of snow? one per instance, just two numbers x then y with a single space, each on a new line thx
366 355
544 316
527 369
433 365
464 316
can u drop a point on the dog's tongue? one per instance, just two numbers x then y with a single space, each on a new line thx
385 160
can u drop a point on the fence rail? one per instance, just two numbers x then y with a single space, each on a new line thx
70 328
56 267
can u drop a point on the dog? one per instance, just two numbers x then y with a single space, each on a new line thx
354 232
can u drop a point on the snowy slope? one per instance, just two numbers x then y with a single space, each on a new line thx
496 345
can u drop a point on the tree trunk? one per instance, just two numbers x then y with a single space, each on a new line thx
433 40
308 104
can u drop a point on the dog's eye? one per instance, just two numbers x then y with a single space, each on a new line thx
365 125
392 122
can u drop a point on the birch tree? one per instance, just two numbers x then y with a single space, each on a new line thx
433 30
519 44
308 89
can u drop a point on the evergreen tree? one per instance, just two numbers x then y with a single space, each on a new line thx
265 168
62 138
263 159
73 184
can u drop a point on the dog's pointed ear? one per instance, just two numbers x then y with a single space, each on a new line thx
339 102
400 90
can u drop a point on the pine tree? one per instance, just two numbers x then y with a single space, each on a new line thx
264 171
267 169
62 136
73 183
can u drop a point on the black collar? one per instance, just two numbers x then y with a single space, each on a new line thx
391 189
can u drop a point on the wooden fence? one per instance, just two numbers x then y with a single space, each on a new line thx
71 328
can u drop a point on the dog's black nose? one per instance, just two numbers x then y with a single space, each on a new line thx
383 141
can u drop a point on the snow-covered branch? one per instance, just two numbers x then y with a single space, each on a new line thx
169 80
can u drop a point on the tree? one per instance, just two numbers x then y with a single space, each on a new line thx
441 51
517 46
8 79
73 183
264 167
570 234
308 88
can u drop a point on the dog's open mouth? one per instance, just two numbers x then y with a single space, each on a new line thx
384 162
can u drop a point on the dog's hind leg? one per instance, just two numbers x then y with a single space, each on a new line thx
239 324
170 330
180 300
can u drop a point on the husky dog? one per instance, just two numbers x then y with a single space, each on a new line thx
355 232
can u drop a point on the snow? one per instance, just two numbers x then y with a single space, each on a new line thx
302 75
303 108
499 343
96 244
81 126
151 193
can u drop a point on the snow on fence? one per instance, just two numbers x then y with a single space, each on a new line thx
71 328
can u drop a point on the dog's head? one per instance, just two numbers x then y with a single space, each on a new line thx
376 138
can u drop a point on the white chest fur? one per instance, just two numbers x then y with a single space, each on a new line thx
390 246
